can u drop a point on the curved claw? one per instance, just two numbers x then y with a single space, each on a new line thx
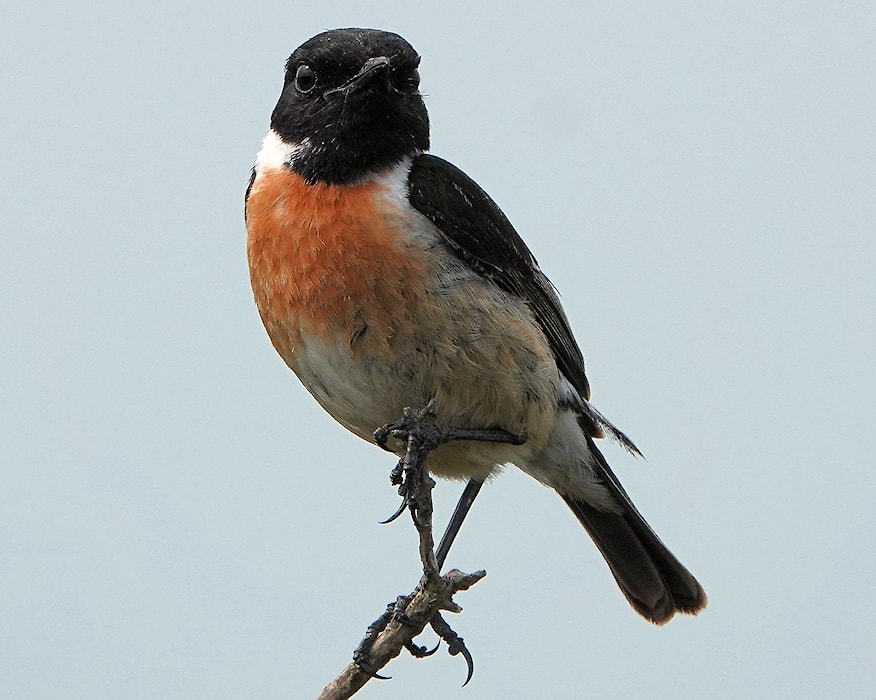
365 668
394 516
359 659
468 660
455 643
419 652
429 653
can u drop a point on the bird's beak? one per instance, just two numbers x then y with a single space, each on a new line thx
374 69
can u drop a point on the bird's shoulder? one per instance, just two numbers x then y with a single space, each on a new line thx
476 230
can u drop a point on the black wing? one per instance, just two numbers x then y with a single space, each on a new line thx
480 234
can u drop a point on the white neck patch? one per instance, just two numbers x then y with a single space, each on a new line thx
275 153
395 182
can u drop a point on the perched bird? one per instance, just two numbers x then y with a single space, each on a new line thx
386 278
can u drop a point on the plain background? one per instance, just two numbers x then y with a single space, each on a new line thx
179 519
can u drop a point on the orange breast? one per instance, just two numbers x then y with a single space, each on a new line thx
329 261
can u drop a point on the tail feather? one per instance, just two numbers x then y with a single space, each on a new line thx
653 580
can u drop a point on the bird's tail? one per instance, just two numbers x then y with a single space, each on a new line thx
652 579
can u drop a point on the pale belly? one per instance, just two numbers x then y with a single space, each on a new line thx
471 351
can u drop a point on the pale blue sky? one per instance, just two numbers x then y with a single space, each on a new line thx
179 519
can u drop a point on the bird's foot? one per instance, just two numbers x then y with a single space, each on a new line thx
396 612
420 434
455 643
361 653
421 424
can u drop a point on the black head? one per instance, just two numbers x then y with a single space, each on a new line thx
351 105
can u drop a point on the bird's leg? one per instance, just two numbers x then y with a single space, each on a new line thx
469 493
420 434
455 643
418 430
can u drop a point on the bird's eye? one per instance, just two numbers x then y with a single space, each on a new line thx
406 80
305 78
